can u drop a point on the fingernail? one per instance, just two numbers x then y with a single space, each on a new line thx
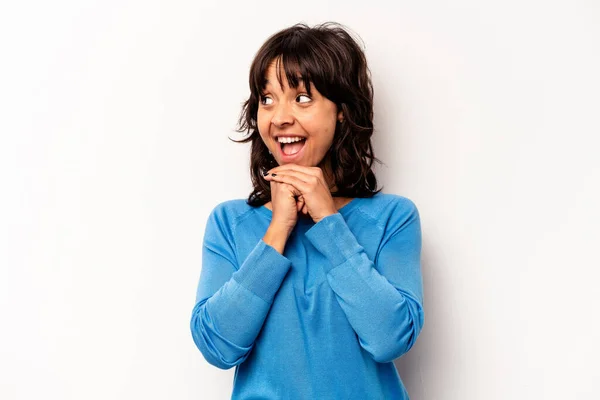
273 174
265 173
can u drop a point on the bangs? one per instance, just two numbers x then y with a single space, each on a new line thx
303 62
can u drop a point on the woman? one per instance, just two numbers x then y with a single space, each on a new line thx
312 286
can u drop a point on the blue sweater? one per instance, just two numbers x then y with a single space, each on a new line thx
323 320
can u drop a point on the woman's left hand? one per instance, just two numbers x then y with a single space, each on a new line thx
315 195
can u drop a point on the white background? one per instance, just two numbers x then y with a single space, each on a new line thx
115 118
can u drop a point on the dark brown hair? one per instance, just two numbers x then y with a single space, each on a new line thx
328 57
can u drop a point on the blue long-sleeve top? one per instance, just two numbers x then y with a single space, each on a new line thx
323 320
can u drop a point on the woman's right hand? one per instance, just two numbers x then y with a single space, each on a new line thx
284 204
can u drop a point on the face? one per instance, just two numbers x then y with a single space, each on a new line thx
291 114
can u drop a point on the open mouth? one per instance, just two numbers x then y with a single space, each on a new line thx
291 149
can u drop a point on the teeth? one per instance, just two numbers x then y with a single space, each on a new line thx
289 140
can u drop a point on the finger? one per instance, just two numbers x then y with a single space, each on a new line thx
306 178
305 209
315 171
300 185
293 190
299 203
298 174
310 173
293 167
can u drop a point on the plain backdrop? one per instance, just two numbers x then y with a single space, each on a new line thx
115 119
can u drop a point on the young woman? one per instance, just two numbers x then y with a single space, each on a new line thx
312 286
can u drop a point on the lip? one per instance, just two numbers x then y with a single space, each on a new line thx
285 158
288 136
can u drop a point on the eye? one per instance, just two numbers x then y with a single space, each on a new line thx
303 95
265 98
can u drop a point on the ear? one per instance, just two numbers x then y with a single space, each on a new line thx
340 116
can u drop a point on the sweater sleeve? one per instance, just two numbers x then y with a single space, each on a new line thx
383 299
232 302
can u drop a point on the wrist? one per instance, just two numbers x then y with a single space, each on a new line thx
316 220
276 236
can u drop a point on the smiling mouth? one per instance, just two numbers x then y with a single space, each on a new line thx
290 149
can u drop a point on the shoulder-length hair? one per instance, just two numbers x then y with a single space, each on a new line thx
328 57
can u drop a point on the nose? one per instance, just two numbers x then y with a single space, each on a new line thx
282 115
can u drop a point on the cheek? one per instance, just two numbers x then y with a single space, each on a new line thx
262 127
318 124
322 128
262 123
260 119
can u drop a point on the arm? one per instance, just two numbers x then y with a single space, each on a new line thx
232 304
382 300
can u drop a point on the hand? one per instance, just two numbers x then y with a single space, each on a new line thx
285 207
309 183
